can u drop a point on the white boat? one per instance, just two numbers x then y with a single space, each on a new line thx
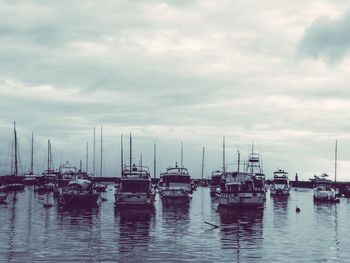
135 187
215 182
324 189
175 183
241 189
280 184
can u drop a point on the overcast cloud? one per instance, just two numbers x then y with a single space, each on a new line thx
276 72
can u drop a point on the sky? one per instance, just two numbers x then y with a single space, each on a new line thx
275 72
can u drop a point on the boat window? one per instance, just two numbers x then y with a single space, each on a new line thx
134 186
215 180
177 179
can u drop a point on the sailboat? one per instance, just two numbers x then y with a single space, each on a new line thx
135 188
11 181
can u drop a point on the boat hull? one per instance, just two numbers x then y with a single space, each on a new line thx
280 190
325 196
174 193
242 199
81 200
13 187
134 199
213 192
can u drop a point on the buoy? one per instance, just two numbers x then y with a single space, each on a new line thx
47 205
297 210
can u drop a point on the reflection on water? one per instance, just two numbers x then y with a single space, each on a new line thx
133 232
174 231
242 232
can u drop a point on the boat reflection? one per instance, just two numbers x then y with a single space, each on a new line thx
176 211
242 232
280 211
134 231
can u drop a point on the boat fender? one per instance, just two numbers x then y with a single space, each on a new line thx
285 186
272 186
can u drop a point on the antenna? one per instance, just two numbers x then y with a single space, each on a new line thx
203 163
154 159
121 154
101 153
336 159
94 154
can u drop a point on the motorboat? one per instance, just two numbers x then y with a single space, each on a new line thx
280 184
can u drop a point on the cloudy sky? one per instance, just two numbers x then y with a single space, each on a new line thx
276 72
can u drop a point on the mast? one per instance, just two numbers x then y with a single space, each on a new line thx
239 160
130 149
182 153
48 155
94 154
101 153
251 167
32 157
154 160
203 163
121 154
16 156
223 155
141 161
336 159
87 158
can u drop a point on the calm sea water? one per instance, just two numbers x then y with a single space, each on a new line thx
175 232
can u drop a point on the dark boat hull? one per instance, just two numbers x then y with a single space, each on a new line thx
81 200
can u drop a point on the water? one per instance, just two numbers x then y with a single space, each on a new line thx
175 232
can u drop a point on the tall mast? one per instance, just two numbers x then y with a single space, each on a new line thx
101 153
336 158
223 155
239 160
251 167
182 154
87 158
16 157
203 163
48 155
32 157
141 161
94 154
130 149
154 160
121 154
